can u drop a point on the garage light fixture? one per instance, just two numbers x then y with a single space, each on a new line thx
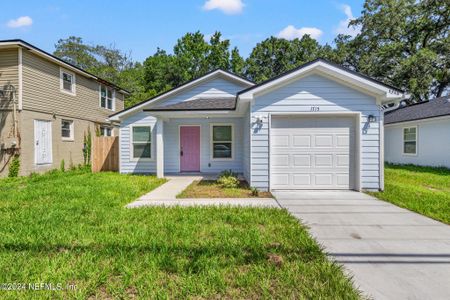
371 118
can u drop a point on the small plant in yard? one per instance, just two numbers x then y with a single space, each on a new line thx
254 191
62 167
14 167
228 179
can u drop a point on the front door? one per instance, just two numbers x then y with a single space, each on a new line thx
42 142
190 149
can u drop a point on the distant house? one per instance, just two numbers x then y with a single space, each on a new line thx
419 134
315 127
47 106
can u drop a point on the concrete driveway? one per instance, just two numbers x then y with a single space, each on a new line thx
392 253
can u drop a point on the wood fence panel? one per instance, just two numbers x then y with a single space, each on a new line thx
105 153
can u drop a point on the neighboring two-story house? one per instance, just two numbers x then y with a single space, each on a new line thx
48 106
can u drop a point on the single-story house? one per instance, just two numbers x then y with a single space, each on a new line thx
318 126
419 134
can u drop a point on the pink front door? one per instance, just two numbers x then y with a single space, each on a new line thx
190 149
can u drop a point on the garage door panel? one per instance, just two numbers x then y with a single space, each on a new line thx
315 152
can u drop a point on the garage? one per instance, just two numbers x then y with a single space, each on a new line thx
313 152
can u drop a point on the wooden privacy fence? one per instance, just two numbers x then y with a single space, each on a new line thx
105 153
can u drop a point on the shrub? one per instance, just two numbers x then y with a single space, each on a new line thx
62 167
228 182
14 166
228 173
254 191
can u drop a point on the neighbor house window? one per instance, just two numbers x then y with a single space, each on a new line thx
67 82
142 142
222 141
105 131
410 140
106 97
67 129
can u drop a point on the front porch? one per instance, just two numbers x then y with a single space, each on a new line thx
201 145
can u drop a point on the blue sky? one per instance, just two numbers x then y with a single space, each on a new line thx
141 26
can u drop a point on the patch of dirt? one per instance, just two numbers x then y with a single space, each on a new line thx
276 260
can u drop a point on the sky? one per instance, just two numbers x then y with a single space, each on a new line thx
139 27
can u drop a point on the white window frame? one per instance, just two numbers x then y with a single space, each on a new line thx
403 140
106 127
61 82
106 100
132 158
72 127
211 142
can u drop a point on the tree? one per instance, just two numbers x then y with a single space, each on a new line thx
237 63
275 56
218 55
406 43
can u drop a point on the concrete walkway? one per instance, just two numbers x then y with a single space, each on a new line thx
392 253
165 195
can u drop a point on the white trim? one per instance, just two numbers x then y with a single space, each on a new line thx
181 88
386 93
134 159
179 144
358 135
381 153
211 142
20 100
416 140
71 128
61 84
160 148
106 99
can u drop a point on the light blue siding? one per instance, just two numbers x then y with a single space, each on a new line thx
207 164
329 96
246 144
433 143
214 88
127 164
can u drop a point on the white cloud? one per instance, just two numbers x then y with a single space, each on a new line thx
343 24
290 32
20 22
229 7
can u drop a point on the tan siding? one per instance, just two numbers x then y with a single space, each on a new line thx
9 73
41 91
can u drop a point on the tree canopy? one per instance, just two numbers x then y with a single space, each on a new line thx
404 43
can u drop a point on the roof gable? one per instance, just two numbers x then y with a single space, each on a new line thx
174 95
332 71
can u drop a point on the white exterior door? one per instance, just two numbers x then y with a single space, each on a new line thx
42 142
312 152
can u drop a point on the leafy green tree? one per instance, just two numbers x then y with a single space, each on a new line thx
237 63
219 52
406 43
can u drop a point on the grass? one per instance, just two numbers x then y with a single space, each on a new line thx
72 229
211 189
425 190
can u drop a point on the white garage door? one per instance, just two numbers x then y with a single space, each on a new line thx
312 152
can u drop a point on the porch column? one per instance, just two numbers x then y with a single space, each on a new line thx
159 147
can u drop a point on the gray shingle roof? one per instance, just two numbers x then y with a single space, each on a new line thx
423 110
198 104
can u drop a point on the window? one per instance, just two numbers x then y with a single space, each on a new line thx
222 141
410 140
106 97
67 82
142 142
67 129
105 131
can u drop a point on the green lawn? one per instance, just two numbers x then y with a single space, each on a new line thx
424 190
72 229
212 189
